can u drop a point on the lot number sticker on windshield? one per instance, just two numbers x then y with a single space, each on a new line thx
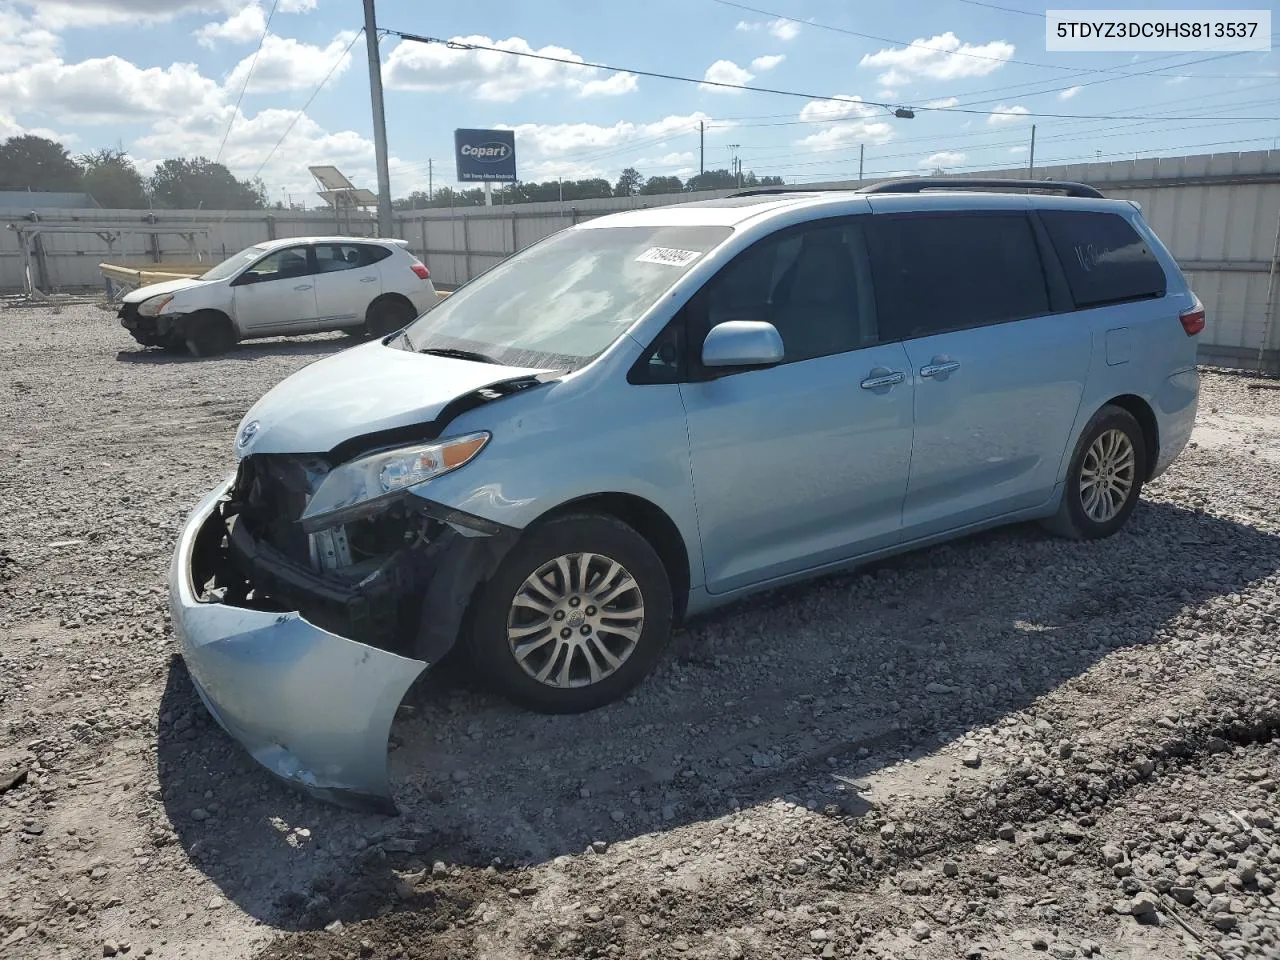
668 255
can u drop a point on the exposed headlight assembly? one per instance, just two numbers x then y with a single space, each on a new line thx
379 475
153 305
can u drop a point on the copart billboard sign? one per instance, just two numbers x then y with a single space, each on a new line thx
485 155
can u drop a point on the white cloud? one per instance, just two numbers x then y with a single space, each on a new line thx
943 103
1022 149
287 64
243 27
612 86
553 139
296 6
767 62
9 127
942 57
887 94
60 14
1003 114
943 158
108 90
725 71
496 76
781 28
844 105
1068 93
858 131
252 137
24 41
667 164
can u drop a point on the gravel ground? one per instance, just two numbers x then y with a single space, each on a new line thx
1004 747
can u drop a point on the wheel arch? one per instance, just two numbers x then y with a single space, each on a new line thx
391 296
647 519
195 316
1146 417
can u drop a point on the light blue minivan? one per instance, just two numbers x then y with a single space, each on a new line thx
655 412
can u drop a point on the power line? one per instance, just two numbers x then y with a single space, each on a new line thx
314 93
247 77
459 45
996 6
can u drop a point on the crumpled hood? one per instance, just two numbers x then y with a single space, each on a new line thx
155 289
362 390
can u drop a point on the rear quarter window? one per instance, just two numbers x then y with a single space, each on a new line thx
1104 258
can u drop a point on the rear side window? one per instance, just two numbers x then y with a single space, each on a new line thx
951 271
1103 257
334 257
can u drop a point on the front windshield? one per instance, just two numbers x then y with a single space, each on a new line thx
564 300
229 266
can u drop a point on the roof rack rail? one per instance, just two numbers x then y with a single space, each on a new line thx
920 184
793 188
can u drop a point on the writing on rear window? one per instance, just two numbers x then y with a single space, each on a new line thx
1103 257
668 255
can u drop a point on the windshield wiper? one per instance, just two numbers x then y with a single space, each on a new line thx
457 354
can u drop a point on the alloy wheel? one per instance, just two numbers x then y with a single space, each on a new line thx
1107 475
575 620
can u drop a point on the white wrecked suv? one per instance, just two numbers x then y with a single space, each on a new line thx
659 411
282 287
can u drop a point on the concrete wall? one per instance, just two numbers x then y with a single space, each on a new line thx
1218 213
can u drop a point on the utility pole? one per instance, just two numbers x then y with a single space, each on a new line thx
861 154
379 120
1031 169
702 147
430 181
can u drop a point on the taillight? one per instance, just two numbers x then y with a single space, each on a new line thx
1193 320
421 270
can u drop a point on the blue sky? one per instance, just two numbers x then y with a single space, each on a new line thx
162 77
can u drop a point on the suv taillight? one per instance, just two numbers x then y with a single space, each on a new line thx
1193 320
421 270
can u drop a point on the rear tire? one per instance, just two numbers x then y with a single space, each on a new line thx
576 615
1104 479
209 334
387 316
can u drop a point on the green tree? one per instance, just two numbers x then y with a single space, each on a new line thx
596 188
720 179
629 183
111 178
34 163
772 182
656 185
197 182
414 201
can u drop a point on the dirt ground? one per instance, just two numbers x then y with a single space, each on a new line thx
1009 746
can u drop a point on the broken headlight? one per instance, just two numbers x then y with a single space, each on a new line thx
384 474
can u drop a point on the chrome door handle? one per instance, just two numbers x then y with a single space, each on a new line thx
883 380
938 369
368 279
303 286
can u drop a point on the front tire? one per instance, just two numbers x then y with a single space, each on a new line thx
1104 479
387 316
576 615
209 334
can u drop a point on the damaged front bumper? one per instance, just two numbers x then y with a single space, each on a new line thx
312 707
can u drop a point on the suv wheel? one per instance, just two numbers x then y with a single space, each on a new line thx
1104 479
388 316
209 334
575 616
